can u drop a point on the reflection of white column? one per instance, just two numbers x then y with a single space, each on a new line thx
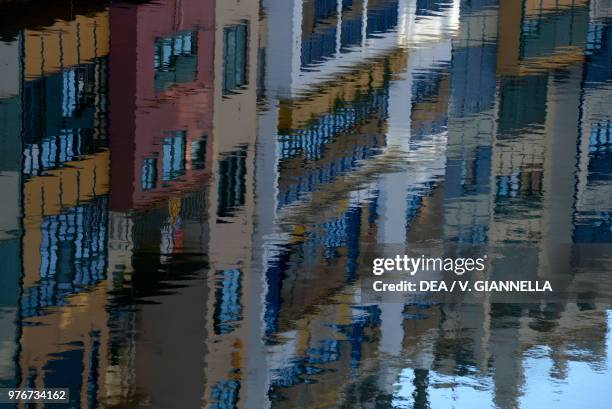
393 187
284 23
392 332
407 15
266 176
364 24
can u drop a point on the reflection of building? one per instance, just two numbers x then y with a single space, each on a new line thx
231 345
162 148
161 87
64 164
324 198
10 186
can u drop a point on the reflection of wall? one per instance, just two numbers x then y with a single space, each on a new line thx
49 195
68 349
231 203
9 68
161 85
65 44
10 271
10 186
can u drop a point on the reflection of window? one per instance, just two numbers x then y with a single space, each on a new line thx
197 153
148 174
234 57
232 186
225 394
228 309
75 90
175 59
173 164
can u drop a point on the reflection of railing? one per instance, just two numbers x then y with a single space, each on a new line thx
73 255
526 183
309 182
321 41
63 118
311 141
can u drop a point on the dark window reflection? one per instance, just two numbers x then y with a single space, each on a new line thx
148 176
198 153
234 57
232 186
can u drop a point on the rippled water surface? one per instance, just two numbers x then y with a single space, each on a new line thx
192 191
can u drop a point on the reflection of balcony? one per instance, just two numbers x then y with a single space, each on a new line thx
325 32
536 37
55 194
310 142
72 255
64 117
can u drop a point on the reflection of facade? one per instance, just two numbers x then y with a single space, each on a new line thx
10 186
162 148
65 168
326 151
230 248
230 344
161 118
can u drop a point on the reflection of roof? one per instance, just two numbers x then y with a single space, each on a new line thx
17 15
